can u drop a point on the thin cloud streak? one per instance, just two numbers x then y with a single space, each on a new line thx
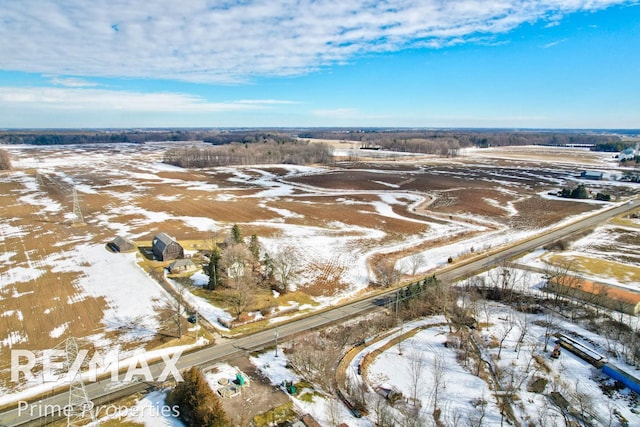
110 100
233 42
554 43
72 82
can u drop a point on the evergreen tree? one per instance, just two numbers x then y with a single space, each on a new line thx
254 247
197 403
235 234
580 192
213 270
267 271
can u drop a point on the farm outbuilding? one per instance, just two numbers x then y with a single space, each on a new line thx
612 297
628 154
121 244
166 248
181 265
593 175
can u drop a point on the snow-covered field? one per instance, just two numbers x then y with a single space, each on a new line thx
58 280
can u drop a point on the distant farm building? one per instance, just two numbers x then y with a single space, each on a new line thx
121 244
593 175
611 297
628 154
166 248
181 265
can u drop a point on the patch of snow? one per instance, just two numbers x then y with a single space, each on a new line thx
59 330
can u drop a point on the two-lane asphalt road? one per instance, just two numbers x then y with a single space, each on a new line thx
104 391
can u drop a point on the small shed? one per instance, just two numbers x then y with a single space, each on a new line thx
166 248
121 244
593 175
181 265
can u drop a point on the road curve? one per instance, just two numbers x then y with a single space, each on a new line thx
103 391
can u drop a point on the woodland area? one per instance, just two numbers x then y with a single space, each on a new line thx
396 139
432 141
140 136
64 137
267 152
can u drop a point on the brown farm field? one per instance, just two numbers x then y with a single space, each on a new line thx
58 280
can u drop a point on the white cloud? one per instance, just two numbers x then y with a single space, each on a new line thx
554 43
232 41
72 82
67 99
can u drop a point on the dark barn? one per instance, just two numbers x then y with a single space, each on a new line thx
121 244
166 248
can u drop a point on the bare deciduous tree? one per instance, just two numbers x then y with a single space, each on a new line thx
506 329
415 261
315 358
550 326
561 280
175 308
285 264
386 273
384 417
235 262
439 384
239 298
416 370
523 326
476 419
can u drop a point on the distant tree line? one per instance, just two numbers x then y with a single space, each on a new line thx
426 141
248 137
610 147
5 160
431 141
268 152
67 137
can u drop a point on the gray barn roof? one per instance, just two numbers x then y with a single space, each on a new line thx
122 243
162 240
181 263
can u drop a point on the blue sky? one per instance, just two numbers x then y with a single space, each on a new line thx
307 63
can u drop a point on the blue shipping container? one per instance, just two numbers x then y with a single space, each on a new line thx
619 375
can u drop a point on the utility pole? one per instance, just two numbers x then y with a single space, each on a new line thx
80 408
275 334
